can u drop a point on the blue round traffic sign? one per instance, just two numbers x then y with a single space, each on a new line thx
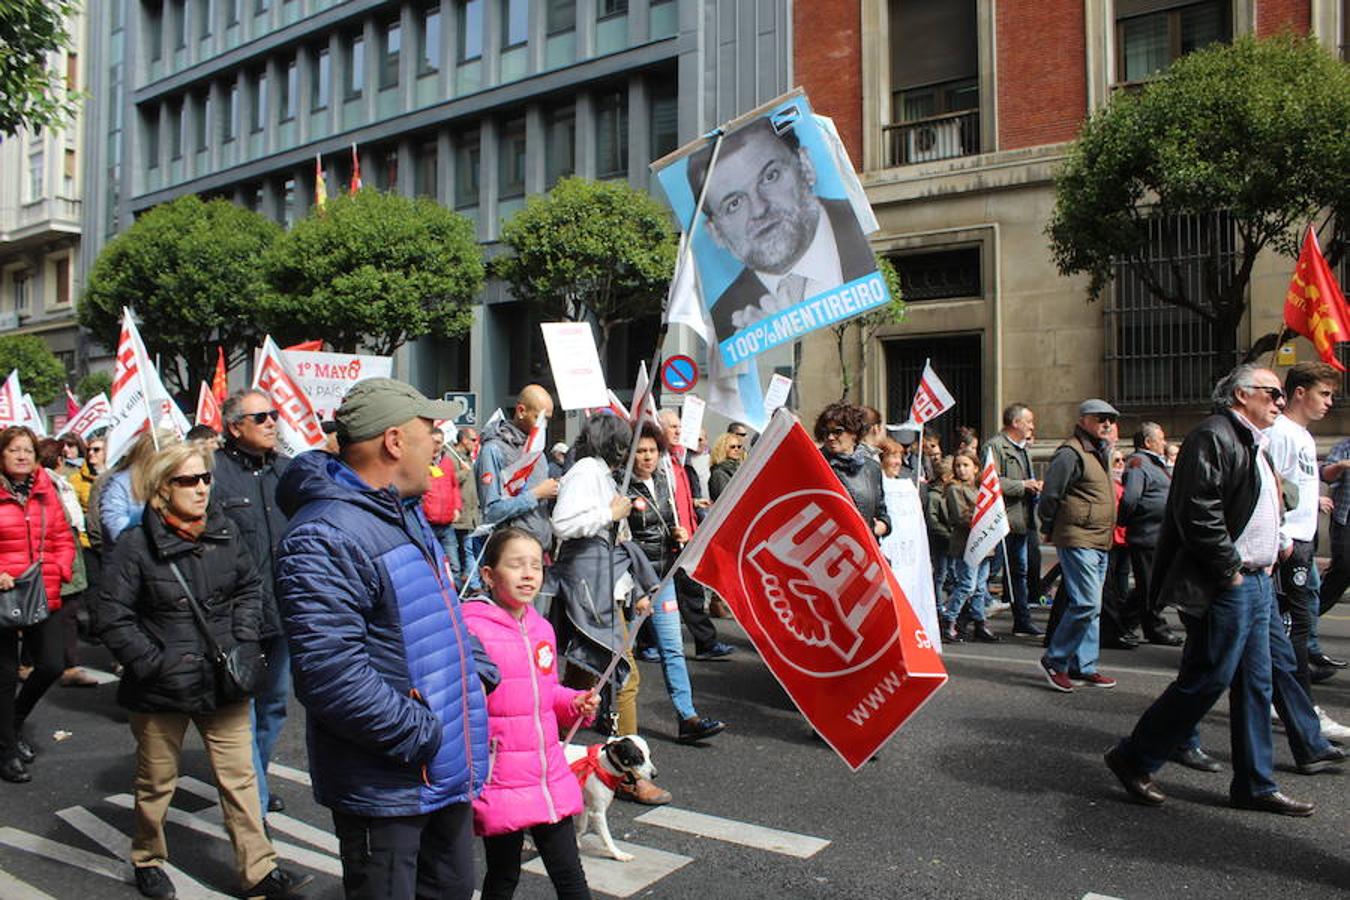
679 374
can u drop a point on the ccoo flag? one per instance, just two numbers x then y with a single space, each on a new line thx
989 522
298 427
1314 305
931 397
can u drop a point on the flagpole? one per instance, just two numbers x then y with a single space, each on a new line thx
634 627
140 376
1279 339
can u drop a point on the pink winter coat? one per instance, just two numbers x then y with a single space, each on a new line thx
528 781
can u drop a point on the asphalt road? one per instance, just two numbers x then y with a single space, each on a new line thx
995 789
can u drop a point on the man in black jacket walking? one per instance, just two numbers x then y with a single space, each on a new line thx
1219 541
248 468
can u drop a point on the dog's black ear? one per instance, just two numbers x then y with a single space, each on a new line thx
627 753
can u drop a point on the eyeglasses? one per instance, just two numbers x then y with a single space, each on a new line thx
187 481
260 417
735 446
836 431
1275 394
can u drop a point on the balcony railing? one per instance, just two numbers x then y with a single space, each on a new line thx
935 137
49 212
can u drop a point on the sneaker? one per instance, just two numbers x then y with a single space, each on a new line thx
996 608
1096 679
1058 680
1331 729
718 650
152 882
279 884
649 655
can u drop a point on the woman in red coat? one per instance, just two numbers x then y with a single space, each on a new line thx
33 526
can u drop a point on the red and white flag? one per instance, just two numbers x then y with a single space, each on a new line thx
644 400
615 406
90 417
12 409
517 475
805 577
72 404
208 410
298 427
931 398
989 523
356 184
33 418
139 398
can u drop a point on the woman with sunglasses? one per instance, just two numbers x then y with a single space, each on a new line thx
839 429
186 552
727 455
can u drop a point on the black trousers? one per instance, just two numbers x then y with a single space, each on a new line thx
1337 578
44 645
1139 611
689 594
557 846
1115 596
1297 601
427 857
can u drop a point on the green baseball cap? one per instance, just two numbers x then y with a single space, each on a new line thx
376 404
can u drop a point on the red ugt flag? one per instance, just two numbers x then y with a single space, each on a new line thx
931 398
208 410
806 579
1314 305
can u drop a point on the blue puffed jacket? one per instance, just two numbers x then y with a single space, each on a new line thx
382 660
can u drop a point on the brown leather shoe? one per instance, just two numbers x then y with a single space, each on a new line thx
718 609
78 677
644 792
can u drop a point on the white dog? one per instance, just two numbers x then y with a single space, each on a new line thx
601 769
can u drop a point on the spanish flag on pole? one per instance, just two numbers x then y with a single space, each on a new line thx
320 187
1314 305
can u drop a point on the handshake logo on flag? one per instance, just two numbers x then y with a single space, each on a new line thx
819 583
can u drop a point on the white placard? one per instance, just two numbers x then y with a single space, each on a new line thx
576 365
691 420
327 377
777 394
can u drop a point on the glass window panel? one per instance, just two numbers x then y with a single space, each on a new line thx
356 65
515 22
178 135
206 12
391 43
179 25
318 88
429 41
468 154
203 122
560 144
611 7
1145 45
470 30
664 119
425 170
562 16
259 101
611 134
511 159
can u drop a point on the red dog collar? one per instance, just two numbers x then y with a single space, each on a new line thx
589 765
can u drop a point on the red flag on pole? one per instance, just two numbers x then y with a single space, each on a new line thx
72 404
356 172
1314 305
806 579
208 410
220 382
306 346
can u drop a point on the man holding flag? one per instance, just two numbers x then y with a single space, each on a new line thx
523 504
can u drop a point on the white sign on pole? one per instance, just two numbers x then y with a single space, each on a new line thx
327 377
576 365
691 420
777 394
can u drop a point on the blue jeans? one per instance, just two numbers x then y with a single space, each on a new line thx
269 709
1016 545
449 539
970 585
943 565
670 643
1314 608
1075 643
469 548
1227 649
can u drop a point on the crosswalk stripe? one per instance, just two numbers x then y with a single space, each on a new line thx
118 844
620 879
299 776
12 888
319 862
276 821
802 846
64 853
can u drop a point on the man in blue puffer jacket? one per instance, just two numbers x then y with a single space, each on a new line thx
386 670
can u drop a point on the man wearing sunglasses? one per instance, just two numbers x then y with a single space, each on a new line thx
248 468
1078 515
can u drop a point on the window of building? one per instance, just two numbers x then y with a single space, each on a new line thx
152 139
935 97
560 144
68 173
37 172
355 64
940 274
425 169
259 101
429 40
288 202
470 30
511 159
611 134
154 33
72 71
61 275
386 168
231 129
664 119
253 197
23 285
203 121
233 10
561 16
206 11
178 133
515 22
179 24
468 154
1151 34
319 84
606 8
290 86
1158 354
391 42
261 6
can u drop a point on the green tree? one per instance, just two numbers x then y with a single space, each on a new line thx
589 251
32 94
190 270
865 326
40 372
373 271
1259 129
93 384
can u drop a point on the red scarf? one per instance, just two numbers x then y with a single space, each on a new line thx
589 765
188 529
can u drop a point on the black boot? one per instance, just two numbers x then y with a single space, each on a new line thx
13 771
22 748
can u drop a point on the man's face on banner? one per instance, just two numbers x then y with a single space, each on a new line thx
760 202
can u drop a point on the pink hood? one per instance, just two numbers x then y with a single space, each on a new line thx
529 782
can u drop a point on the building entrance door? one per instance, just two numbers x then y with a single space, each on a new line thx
957 360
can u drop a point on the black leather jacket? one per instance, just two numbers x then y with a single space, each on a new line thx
1215 488
246 490
861 476
652 519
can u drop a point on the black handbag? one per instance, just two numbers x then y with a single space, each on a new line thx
25 604
239 670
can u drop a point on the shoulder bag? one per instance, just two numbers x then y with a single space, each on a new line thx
239 670
25 604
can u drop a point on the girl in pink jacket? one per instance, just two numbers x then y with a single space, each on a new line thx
529 785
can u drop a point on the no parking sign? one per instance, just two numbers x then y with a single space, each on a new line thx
679 373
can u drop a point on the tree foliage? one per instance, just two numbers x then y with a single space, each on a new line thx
373 271
589 251
1259 129
40 372
866 325
190 271
32 93
93 384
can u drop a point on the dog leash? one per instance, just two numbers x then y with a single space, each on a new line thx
633 628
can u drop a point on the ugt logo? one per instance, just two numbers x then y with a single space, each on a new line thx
820 583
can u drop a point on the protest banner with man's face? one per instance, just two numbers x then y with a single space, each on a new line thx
778 248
